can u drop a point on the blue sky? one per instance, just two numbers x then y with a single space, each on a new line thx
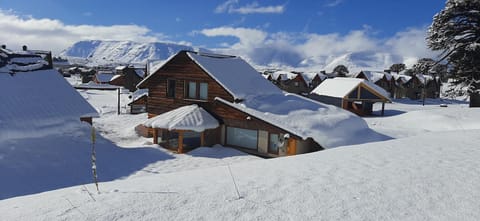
226 24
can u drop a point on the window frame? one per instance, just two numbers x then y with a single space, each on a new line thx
197 96
168 94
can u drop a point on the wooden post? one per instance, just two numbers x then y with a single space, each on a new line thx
383 108
180 142
202 138
155 136
118 102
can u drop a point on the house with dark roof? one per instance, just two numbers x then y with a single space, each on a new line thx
252 114
352 94
127 77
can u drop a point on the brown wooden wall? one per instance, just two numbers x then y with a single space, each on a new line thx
236 118
182 69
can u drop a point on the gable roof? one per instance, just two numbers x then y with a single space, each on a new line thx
34 100
234 74
375 76
340 87
190 117
327 125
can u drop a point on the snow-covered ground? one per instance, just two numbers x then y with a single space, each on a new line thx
430 172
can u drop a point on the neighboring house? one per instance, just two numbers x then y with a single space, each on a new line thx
420 86
103 77
36 98
292 82
139 101
317 79
353 94
253 115
380 78
127 76
400 88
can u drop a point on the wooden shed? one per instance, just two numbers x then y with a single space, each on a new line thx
353 94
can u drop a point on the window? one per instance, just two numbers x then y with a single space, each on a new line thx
171 88
196 90
273 144
296 84
242 137
192 90
203 91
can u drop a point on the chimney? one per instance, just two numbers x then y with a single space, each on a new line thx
24 47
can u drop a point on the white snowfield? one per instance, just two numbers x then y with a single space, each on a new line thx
429 173
425 177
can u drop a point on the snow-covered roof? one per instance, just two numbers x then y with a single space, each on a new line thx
140 72
104 77
423 78
341 87
309 76
191 117
26 60
115 77
375 76
35 99
235 75
95 86
328 125
139 93
120 67
283 75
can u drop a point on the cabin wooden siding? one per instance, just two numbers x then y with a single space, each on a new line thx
181 69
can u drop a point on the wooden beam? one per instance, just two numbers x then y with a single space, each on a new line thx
202 138
155 136
180 142
383 108
118 102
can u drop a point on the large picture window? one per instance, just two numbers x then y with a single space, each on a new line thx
242 137
197 90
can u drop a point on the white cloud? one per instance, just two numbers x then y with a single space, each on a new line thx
51 34
230 6
293 49
410 44
333 3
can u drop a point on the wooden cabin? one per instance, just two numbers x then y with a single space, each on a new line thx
233 92
420 86
291 82
382 79
127 77
352 94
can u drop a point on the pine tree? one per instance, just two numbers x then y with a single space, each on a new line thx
341 70
456 32
398 67
423 66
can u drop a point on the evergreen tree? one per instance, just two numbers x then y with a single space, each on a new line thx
341 70
398 67
456 32
423 66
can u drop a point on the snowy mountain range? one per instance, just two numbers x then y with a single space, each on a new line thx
97 52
